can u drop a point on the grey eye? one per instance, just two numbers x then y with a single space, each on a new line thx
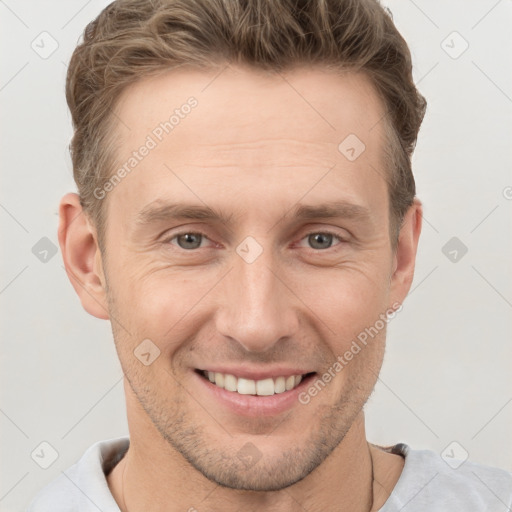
319 240
189 240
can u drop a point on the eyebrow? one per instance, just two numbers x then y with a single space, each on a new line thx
158 211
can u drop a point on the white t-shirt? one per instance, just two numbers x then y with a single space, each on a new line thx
427 484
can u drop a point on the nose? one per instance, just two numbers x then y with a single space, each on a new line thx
258 307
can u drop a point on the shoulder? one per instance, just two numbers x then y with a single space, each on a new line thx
59 495
431 480
83 486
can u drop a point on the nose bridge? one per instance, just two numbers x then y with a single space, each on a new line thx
258 308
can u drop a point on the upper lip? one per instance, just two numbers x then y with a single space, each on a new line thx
255 373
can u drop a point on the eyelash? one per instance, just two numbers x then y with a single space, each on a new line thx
323 232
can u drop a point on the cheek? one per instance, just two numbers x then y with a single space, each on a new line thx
161 305
346 300
165 304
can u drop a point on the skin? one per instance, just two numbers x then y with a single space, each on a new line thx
254 148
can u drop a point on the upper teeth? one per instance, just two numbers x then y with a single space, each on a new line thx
254 387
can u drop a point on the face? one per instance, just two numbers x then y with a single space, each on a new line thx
222 257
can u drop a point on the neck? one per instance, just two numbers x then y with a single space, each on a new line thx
152 475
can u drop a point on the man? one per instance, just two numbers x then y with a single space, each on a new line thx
247 221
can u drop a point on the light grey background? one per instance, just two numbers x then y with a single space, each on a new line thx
447 371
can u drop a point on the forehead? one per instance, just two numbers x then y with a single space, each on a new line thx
251 121
231 100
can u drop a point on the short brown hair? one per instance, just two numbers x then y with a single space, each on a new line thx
133 39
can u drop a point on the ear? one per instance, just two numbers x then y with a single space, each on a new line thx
82 256
405 254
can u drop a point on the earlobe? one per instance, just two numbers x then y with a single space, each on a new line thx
405 255
81 255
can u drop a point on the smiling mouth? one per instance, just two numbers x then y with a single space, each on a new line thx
263 387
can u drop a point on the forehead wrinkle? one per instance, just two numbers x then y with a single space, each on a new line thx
278 153
266 143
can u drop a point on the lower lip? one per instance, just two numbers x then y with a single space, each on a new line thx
253 405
